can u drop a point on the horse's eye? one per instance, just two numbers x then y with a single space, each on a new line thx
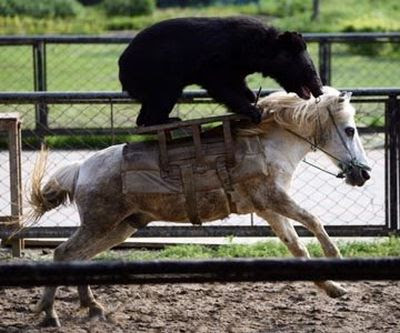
349 131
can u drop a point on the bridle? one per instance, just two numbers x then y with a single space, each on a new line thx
346 167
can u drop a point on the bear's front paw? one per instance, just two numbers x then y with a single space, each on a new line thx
255 116
173 120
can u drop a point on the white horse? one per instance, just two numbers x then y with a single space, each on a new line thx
108 216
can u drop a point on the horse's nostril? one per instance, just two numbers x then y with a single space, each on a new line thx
365 174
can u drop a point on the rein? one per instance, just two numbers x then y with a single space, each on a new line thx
314 147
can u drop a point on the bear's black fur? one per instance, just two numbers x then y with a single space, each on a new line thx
217 54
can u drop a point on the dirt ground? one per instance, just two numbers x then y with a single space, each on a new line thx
200 308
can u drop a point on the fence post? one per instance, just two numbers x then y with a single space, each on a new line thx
40 84
11 123
393 163
324 51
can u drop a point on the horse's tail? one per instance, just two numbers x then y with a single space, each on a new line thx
57 190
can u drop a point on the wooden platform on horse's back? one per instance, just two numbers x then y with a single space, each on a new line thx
207 159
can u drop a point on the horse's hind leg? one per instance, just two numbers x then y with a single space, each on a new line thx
282 227
115 237
46 304
84 244
69 250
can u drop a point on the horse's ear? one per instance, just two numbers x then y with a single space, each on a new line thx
344 95
265 105
267 114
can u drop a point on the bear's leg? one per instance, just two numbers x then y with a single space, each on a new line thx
246 91
157 107
236 97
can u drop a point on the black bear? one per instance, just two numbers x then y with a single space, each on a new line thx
217 54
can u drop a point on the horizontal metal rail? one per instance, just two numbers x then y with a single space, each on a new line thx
130 131
109 96
185 271
120 39
204 231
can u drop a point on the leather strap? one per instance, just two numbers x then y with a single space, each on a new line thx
230 156
189 191
197 144
162 142
225 179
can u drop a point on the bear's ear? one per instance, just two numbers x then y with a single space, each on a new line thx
292 41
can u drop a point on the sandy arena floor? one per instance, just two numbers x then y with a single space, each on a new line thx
239 307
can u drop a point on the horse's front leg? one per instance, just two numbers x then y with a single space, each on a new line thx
280 202
284 229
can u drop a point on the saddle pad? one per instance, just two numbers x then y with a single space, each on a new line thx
142 173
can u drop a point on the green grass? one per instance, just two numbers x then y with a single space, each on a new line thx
336 15
385 247
94 67
378 248
89 142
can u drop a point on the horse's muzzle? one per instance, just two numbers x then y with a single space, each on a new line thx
357 176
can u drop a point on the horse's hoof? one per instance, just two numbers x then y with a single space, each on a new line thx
50 322
97 313
37 308
332 289
336 292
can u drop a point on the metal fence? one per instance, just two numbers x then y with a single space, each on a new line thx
80 122
198 271
77 123
88 63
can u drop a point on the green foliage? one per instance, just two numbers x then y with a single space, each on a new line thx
187 251
183 3
202 3
261 249
370 24
40 8
29 25
90 2
128 7
292 7
120 23
315 250
335 16
378 248
91 141
386 248
78 141
367 23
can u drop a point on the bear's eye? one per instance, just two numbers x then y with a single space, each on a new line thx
349 131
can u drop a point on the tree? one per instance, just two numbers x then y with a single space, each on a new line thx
315 10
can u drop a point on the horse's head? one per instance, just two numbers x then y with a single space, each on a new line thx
327 121
339 136
293 67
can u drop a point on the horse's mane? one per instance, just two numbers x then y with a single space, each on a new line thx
290 111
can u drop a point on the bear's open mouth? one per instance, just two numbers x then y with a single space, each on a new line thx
304 92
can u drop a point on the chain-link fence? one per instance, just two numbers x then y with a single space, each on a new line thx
78 126
71 63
